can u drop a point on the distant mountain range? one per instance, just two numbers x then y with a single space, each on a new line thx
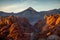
32 15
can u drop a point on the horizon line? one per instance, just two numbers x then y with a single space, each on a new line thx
32 8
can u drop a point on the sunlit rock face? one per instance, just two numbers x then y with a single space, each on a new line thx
13 28
52 24
53 19
58 20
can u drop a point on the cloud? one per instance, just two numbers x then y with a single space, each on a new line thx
20 5
14 7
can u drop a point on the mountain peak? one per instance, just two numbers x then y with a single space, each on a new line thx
31 9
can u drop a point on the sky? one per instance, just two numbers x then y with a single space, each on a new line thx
20 5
